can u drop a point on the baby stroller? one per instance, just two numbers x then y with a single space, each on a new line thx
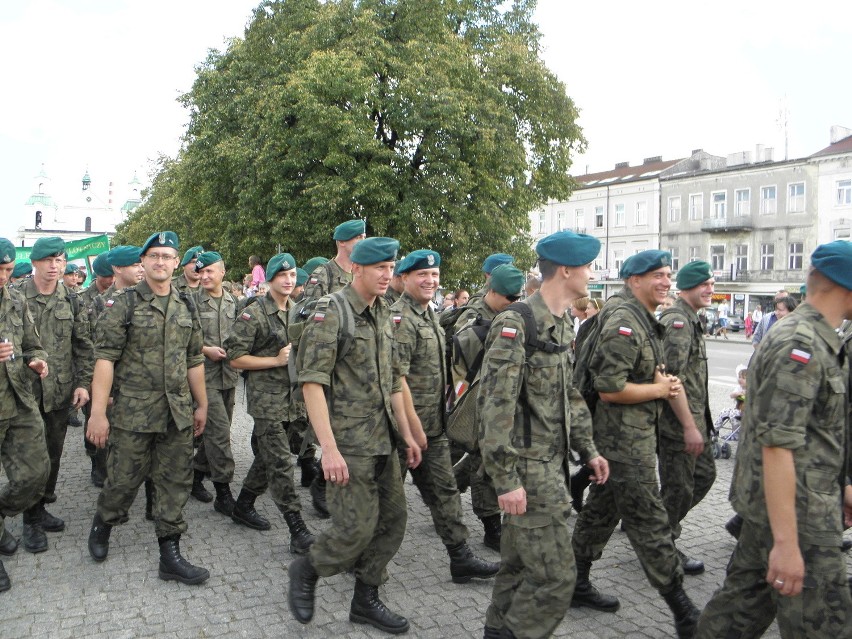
726 429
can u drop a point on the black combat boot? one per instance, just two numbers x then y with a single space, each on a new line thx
464 565
311 469
585 594
149 500
303 585
245 514
578 482
99 538
685 613
198 490
493 531
690 566
8 544
461 471
368 608
50 523
492 633
300 537
97 475
224 499
174 567
318 497
33 535
734 526
5 583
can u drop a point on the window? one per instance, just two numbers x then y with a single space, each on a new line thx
674 209
767 256
38 219
675 257
88 225
618 258
717 257
561 219
696 206
742 197
641 213
844 192
768 200
720 204
580 220
797 250
741 258
542 225
693 254
796 197
599 217
598 264
619 215
843 234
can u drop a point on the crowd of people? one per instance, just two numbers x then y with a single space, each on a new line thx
352 366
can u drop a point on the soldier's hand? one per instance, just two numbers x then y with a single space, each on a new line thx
214 353
40 367
97 430
199 419
514 502
600 468
847 507
283 356
786 569
413 454
334 467
81 397
693 442
7 349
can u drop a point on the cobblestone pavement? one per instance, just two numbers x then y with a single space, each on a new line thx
64 593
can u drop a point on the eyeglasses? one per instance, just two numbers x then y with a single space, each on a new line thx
160 257
513 298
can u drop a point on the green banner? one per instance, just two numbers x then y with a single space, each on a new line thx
79 252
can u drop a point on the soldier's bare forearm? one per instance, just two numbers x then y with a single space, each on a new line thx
195 377
102 385
318 415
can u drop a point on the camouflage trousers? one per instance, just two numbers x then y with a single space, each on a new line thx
55 429
23 456
368 521
532 592
273 466
745 605
302 439
213 455
630 494
437 485
165 458
684 480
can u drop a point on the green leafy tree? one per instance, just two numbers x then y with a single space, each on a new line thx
434 120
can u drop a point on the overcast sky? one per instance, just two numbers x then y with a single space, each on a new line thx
93 83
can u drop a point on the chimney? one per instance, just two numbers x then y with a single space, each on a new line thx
758 153
622 165
694 151
653 159
768 153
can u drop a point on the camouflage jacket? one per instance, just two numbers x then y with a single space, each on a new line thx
88 299
17 326
67 338
627 352
326 278
261 330
686 357
531 398
391 296
475 307
798 381
216 322
359 385
418 355
181 284
152 355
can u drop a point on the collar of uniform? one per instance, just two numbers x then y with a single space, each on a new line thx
687 310
822 327
206 298
144 291
652 319
543 317
415 306
28 288
270 306
356 301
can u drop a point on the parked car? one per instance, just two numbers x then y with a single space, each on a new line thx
736 324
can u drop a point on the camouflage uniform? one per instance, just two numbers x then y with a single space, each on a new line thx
625 434
391 296
23 450
152 416
261 330
214 455
684 479
369 513
326 278
66 337
796 400
529 415
183 286
418 355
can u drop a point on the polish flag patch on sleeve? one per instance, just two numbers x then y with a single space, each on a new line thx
677 324
319 316
314 280
397 319
624 330
800 356
109 303
508 331
245 316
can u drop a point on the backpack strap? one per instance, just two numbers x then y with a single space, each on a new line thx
532 343
189 300
131 293
346 335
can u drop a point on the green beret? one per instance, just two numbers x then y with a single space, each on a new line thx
645 261
311 265
416 260
281 262
191 254
47 247
494 260
301 276
124 256
7 251
568 248
348 230
375 249
166 239
834 260
206 259
22 269
101 267
507 280
71 269
693 274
